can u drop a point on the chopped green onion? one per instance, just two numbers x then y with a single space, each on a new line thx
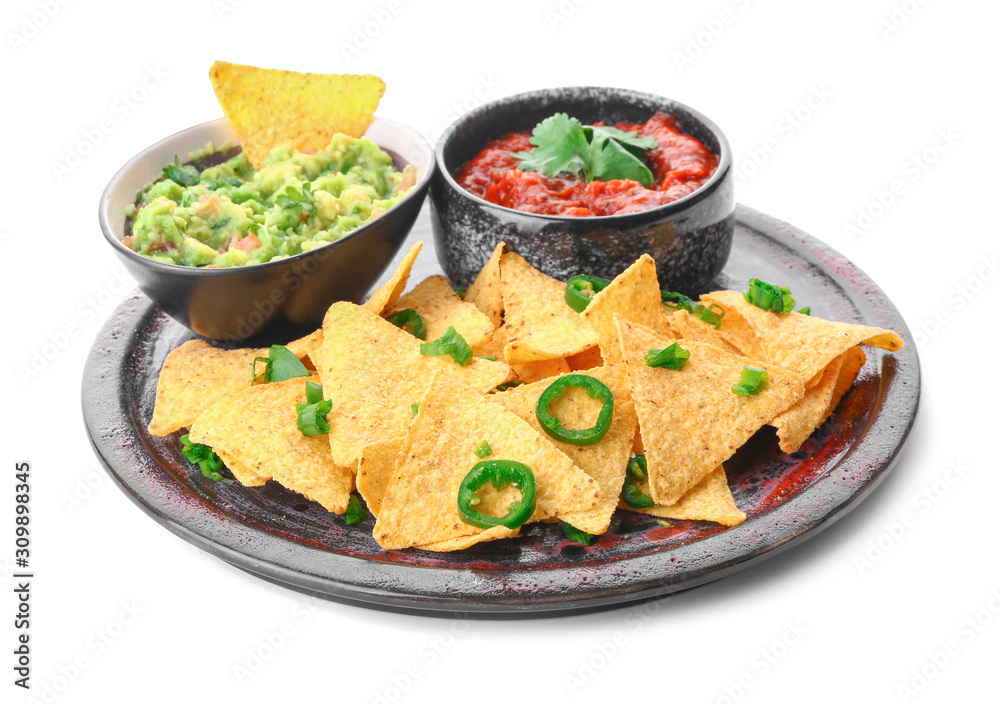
764 294
508 385
805 311
483 449
708 315
752 381
311 417
314 392
460 291
490 357
411 321
282 364
575 534
580 290
665 524
414 409
354 513
595 388
451 343
671 357
203 456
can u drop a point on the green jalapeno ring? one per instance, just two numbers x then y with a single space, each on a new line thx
595 388
499 473
636 472
580 291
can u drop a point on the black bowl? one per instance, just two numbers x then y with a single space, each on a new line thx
689 238
277 300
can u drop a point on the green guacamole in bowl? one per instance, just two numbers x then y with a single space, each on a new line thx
232 215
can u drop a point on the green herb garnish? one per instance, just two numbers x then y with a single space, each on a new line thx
311 417
764 294
282 364
354 513
182 175
563 145
712 315
672 357
805 311
294 198
575 534
314 392
752 381
414 409
411 321
451 343
203 456
483 449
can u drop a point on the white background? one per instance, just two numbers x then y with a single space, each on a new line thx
888 78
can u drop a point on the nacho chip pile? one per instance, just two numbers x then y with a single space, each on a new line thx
428 387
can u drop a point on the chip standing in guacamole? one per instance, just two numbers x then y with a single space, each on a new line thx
234 215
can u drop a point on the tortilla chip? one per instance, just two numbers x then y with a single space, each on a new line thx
688 327
244 475
709 500
375 470
691 420
605 461
485 292
256 427
420 506
267 107
388 293
195 375
804 344
308 348
536 371
797 423
588 359
734 329
635 295
540 325
852 360
374 372
441 308
494 533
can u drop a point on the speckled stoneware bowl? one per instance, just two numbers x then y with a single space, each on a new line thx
278 300
689 238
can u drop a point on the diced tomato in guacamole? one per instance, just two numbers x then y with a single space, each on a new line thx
233 215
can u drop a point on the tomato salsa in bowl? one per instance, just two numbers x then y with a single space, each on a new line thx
490 187
679 164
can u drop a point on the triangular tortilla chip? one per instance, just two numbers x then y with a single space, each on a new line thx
689 327
467 541
375 470
605 461
308 348
420 506
634 294
532 371
540 325
388 293
691 420
804 344
795 425
374 372
588 359
267 107
441 308
709 500
485 292
196 375
244 475
257 428
852 360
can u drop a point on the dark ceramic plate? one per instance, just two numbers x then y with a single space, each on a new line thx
278 535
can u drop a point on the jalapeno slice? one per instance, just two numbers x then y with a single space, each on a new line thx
595 388
580 290
635 473
499 473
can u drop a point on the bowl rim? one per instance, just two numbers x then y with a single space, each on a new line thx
722 171
102 215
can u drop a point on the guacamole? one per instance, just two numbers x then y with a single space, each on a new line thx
234 215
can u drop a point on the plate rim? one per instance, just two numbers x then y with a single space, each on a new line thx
499 604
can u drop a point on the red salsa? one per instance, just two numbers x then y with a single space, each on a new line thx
680 164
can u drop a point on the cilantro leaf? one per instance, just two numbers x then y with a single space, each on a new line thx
294 198
560 146
612 161
563 145
185 176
